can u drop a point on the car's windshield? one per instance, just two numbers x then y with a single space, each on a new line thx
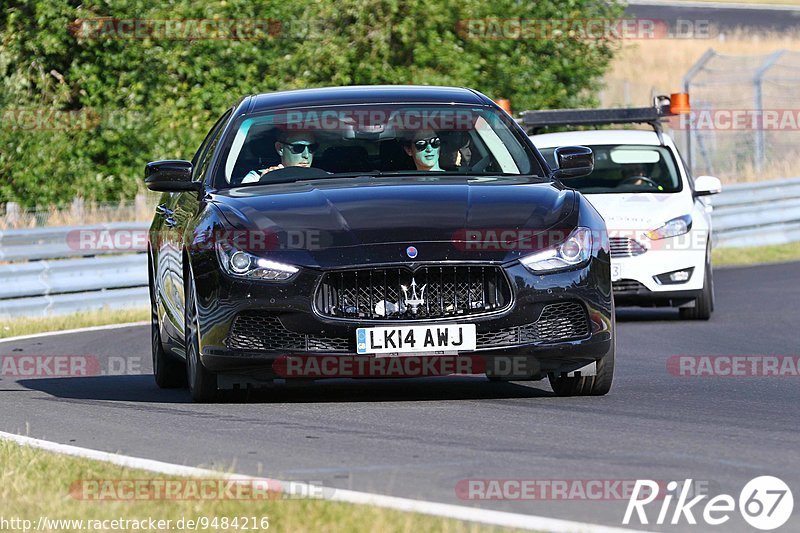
625 168
322 142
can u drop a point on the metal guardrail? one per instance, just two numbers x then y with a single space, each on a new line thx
757 214
61 242
63 270
48 271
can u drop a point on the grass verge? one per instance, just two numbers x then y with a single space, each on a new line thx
778 253
36 483
27 326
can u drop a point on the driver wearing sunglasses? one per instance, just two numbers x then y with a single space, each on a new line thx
424 148
296 150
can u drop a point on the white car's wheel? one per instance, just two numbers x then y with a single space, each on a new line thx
704 305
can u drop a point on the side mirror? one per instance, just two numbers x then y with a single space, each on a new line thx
573 162
705 185
170 176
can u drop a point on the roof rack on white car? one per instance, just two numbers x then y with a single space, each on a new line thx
663 106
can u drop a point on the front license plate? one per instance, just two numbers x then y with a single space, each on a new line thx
416 339
616 271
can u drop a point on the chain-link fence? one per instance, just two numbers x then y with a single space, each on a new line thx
79 212
745 121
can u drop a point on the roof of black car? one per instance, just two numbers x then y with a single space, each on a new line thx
365 94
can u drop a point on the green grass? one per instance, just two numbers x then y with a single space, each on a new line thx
36 483
27 326
779 253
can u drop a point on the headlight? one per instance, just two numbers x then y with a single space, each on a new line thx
673 228
246 265
577 249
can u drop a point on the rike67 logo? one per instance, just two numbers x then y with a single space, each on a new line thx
765 503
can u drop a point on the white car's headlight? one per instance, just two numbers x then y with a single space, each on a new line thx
246 265
673 228
577 249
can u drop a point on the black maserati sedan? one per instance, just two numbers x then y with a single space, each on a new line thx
376 231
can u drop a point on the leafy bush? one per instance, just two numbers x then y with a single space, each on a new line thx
83 108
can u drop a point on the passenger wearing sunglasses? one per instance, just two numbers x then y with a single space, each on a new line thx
424 148
296 150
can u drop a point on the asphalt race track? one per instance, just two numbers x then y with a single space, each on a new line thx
721 17
419 438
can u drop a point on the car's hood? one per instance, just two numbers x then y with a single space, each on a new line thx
640 211
344 221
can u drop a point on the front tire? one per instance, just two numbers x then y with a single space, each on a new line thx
597 385
169 373
202 383
704 305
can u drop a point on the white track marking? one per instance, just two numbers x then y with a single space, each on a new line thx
458 512
77 330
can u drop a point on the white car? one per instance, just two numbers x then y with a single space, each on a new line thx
658 217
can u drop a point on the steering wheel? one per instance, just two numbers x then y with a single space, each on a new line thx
647 181
285 174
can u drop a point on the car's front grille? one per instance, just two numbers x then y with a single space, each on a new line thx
627 286
625 247
558 322
254 331
424 294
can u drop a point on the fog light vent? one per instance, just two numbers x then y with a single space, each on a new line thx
674 277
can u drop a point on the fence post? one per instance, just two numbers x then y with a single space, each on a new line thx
77 209
758 105
140 206
13 211
687 82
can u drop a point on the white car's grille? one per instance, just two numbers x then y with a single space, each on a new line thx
625 247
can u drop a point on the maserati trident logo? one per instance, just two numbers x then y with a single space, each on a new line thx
415 301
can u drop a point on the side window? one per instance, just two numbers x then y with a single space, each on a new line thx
203 156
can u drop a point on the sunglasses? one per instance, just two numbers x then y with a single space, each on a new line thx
422 144
298 148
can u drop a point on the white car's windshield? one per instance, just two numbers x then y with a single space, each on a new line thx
313 143
626 168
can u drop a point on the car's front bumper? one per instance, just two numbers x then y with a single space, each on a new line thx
221 299
636 279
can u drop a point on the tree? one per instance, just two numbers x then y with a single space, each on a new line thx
86 101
